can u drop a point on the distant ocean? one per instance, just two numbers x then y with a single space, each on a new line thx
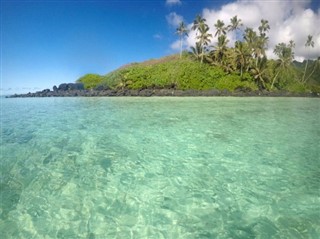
157 167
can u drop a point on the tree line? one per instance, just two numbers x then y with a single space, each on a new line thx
248 55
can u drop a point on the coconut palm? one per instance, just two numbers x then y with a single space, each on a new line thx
257 44
204 38
221 48
316 64
197 51
250 36
197 23
235 25
251 39
286 55
258 72
221 29
182 31
309 43
264 27
242 56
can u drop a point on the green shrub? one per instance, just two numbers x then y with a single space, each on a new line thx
314 88
186 73
90 80
296 87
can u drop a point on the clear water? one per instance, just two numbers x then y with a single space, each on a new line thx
160 168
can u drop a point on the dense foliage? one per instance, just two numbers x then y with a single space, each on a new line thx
90 80
244 66
184 73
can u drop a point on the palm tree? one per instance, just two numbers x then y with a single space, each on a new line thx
286 55
221 29
309 43
182 31
235 24
204 38
250 36
251 39
202 29
258 71
197 23
221 48
316 65
264 27
242 55
197 51
261 46
257 44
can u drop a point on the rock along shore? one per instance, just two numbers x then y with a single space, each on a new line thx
77 90
158 92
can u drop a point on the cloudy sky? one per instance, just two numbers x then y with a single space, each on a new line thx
45 43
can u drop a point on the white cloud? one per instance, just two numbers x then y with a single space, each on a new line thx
158 36
173 2
175 45
174 19
288 20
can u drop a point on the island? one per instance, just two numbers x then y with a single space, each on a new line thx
207 70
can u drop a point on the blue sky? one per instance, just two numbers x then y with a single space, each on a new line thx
45 43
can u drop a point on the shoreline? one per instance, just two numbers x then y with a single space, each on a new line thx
161 92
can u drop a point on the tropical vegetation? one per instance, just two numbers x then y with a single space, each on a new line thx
243 66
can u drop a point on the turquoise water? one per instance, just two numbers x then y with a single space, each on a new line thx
160 168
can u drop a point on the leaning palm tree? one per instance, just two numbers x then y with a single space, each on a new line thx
309 43
182 31
258 72
316 64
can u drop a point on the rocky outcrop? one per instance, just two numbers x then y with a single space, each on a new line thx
69 86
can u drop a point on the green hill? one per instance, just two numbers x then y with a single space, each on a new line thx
188 73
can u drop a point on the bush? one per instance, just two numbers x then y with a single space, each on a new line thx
186 73
233 82
296 87
90 81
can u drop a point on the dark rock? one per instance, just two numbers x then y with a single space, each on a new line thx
77 90
63 87
225 92
102 88
71 86
146 92
75 86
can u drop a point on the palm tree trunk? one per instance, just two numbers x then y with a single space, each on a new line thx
314 68
305 71
202 54
274 79
180 47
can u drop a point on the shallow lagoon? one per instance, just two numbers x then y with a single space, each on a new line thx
160 168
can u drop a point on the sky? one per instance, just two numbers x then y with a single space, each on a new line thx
49 42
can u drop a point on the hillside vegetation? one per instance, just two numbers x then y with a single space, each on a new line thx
242 67
187 73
